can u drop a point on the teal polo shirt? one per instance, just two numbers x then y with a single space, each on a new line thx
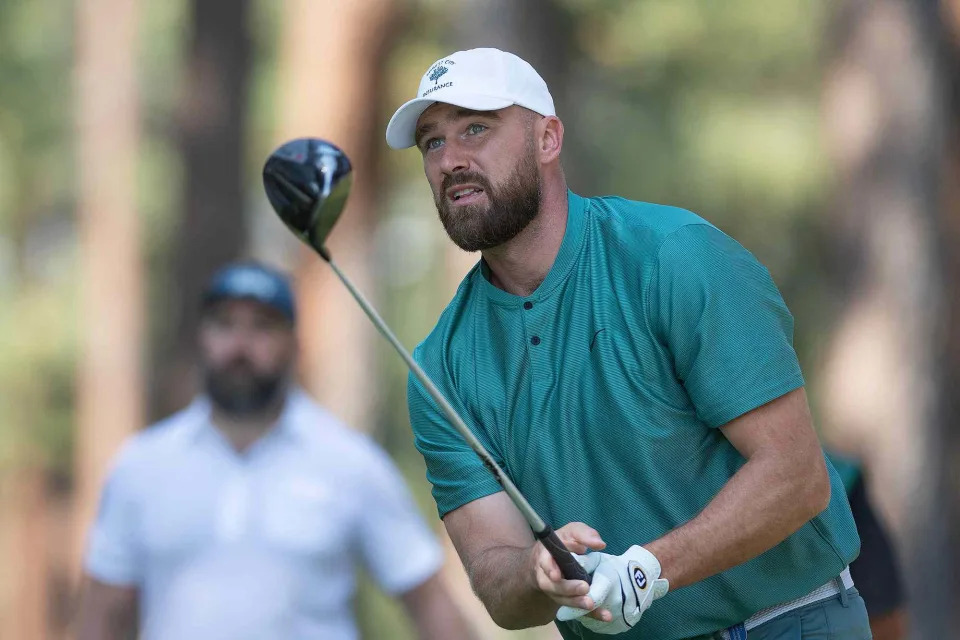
601 393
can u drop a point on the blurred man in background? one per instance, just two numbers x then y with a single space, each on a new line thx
632 368
877 569
245 515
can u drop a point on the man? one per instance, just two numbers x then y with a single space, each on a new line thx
631 368
245 515
876 569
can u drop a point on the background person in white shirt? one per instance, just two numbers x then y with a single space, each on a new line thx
245 515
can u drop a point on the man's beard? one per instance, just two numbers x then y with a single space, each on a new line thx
511 207
238 391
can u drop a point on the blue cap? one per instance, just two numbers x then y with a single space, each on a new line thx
252 281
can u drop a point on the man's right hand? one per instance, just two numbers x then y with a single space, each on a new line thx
578 538
514 575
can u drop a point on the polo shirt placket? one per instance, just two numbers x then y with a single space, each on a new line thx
537 333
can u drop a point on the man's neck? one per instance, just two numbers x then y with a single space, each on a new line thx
521 265
242 431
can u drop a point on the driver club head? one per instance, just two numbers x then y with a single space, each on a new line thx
307 181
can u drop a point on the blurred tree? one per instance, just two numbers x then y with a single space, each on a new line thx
37 301
539 31
23 532
944 18
109 376
330 86
886 115
211 120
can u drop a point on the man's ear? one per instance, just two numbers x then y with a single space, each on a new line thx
550 139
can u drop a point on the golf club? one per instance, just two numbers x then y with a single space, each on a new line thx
307 181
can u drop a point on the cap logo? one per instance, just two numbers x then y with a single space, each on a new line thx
435 73
438 71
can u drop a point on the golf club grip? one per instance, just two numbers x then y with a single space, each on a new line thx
569 566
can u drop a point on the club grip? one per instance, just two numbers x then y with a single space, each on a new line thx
569 566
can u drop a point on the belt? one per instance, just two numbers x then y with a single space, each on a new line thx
823 592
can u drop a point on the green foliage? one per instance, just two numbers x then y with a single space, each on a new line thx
35 52
36 275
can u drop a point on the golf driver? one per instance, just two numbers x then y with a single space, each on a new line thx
307 181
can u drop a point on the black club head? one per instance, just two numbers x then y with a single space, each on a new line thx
307 181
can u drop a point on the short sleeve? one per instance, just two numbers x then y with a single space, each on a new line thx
456 473
113 549
397 547
720 317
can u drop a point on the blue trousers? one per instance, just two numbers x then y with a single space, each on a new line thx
841 617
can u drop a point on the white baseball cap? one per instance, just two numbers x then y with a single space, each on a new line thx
480 79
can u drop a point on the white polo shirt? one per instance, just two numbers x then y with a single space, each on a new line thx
261 545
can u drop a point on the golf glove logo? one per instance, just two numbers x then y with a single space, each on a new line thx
621 586
638 578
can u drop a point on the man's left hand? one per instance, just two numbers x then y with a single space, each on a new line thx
625 585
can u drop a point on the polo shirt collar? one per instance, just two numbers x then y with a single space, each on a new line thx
562 265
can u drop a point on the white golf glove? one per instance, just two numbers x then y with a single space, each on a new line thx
625 585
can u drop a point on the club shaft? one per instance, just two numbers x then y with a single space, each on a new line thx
533 519
565 560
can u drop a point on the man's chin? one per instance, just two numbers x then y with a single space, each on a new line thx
243 407
474 211
244 399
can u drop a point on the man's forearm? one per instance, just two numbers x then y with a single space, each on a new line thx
434 612
105 612
761 505
104 625
502 579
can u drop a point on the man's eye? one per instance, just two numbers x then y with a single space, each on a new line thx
432 143
476 128
267 326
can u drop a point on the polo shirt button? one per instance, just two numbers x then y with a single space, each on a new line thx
528 305
535 340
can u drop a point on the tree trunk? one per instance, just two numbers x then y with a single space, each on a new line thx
885 117
212 118
943 20
536 30
109 378
23 602
331 83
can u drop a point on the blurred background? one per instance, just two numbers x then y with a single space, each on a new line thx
822 135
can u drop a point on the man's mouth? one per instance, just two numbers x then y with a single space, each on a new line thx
458 194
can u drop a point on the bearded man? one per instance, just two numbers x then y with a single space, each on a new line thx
631 368
245 515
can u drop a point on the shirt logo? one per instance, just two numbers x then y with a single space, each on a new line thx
594 341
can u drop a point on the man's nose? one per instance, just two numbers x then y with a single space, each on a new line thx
454 159
238 340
